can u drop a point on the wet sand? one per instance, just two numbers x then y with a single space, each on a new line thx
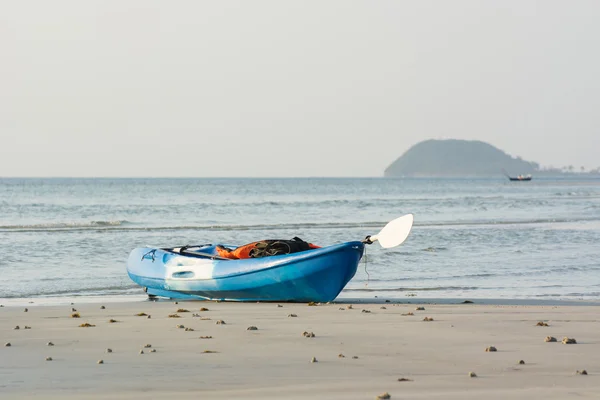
379 347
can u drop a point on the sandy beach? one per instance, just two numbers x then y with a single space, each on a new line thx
361 350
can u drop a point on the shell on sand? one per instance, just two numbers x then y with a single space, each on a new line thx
147 345
292 315
355 357
75 315
109 350
86 325
383 396
182 310
102 308
180 326
550 339
308 334
48 358
17 327
204 309
567 340
366 311
408 313
314 360
153 351
427 319
141 314
341 355
582 372
541 323
7 344
383 308
141 351
49 344
174 316
100 361
189 329
521 362
472 374
220 322
420 309
404 380
491 349
205 337
252 328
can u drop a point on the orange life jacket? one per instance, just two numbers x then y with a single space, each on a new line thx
264 248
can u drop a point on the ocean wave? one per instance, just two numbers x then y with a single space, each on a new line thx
294 202
437 278
124 225
562 270
434 249
584 194
513 221
91 291
66 225
407 289
575 294
120 226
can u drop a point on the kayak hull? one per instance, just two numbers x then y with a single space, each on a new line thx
315 275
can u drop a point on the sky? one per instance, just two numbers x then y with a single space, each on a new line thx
291 88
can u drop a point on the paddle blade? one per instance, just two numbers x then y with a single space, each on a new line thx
395 232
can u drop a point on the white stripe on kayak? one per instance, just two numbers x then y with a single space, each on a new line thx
201 268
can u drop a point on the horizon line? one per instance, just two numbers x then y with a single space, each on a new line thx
547 174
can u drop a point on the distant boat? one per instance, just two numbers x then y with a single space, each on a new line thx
518 177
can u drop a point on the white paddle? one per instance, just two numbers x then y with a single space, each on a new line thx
394 233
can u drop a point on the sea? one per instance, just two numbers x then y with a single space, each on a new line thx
472 239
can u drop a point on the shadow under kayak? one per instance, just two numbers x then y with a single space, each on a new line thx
317 275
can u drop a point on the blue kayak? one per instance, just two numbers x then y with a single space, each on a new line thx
317 275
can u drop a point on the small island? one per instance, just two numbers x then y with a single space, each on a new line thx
465 158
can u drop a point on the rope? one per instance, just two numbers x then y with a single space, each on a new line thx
367 272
